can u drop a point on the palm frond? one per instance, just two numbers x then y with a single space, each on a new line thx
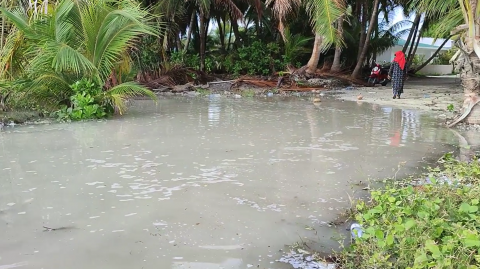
117 95
282 8
117 32
323 15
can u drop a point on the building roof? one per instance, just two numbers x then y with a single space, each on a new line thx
401 42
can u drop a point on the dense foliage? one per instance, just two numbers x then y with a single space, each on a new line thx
431 226
76 41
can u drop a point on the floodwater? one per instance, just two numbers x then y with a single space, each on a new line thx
197 183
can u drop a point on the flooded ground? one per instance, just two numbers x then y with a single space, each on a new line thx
197 183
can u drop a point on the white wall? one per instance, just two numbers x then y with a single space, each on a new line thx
437 70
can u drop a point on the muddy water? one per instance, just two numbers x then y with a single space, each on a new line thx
196 183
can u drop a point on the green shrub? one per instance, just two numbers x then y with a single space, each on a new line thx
257 59
429 226
444 57
85 103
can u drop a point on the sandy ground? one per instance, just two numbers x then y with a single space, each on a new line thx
429 93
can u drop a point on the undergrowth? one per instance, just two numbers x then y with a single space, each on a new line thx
428 226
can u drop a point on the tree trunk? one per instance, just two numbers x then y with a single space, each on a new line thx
234 26
2 33
179 42
203 36
189 32
412 55
230 38
416 21
432 57
221 35
363 30
358 68
470 73
410 50
336 66
315 57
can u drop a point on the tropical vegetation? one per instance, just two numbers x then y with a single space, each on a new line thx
425 226
46 46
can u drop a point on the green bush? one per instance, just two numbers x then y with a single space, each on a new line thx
85 103
257 59
430 226
186 59
444 57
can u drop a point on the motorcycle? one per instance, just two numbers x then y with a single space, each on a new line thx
378 75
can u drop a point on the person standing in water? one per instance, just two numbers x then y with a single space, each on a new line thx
397 74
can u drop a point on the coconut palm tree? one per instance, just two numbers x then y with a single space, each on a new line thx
323 14
80 39
372 24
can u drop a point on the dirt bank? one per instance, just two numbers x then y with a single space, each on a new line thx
429 93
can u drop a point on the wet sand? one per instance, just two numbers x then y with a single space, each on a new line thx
425 94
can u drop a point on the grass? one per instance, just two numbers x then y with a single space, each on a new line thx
202 92
248 93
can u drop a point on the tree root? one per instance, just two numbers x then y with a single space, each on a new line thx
473 102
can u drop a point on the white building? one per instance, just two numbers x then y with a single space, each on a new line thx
426 48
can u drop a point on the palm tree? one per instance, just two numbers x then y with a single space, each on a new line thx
80 39
361 59
323 15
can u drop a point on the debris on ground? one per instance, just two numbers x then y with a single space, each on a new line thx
302 259
185 80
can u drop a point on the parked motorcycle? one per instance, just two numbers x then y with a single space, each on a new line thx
378 75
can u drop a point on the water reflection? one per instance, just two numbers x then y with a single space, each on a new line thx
214 111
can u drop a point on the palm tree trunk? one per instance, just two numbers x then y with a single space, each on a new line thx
409 54
230 37
221 34
203 36
189 32
432 57
412 55
315 57
234 26
336 66
2 33
416 21
470 66
363 30
358 68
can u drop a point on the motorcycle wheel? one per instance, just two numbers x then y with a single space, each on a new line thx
371 81
385 83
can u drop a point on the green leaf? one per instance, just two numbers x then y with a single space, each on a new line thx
464 207
390 239
379 234
475 201
432 247
409 224
421 259
471 243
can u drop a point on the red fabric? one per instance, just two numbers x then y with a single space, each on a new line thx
400 59
395 140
